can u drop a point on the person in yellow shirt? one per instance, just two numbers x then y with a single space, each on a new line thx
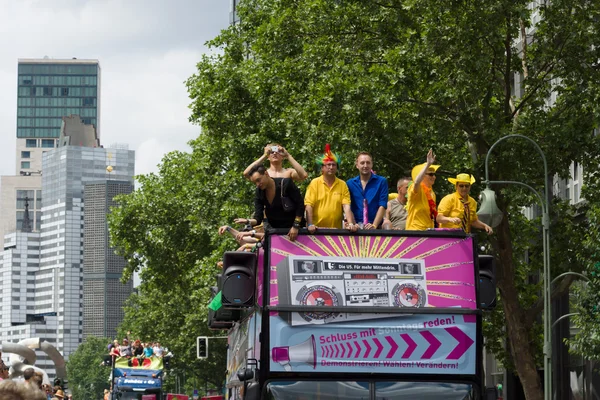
459 210
421 206
327 197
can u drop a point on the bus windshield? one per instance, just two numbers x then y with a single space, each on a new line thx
350 390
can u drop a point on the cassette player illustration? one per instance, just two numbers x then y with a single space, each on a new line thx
338 281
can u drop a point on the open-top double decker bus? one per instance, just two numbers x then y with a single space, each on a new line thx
368 315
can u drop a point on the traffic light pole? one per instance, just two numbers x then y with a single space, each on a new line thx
202 343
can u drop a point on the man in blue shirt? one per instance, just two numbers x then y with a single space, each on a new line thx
369 194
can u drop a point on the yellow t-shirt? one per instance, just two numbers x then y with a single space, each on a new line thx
419 215
452 206
327 202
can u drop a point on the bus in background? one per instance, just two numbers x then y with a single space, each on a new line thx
369 315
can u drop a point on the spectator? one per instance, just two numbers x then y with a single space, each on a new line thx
158 350
11 390
138 349
396 212
27 375
3 372
114 349
277 198
276 154
422 210
125 348
37 379
148 352
59 394
459 210
240 236
369 194
327 197
106 394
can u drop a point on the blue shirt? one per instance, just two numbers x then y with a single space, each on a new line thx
376 193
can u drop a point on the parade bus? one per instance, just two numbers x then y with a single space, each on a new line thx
367 315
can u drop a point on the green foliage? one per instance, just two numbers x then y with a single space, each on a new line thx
392 78
86 375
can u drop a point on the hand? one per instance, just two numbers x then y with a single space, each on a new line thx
430 157
455 220
267 151
352 227
283 152
368 226
220 264
241 235
488 229
223 229
293 233
312 228
241 221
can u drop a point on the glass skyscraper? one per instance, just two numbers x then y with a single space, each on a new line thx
47 91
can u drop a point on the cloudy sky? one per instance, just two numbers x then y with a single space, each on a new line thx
146 49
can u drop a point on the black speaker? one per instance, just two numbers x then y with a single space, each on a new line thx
487 281
238 283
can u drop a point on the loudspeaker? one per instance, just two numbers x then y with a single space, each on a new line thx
215 324
487 281
239 279
304 352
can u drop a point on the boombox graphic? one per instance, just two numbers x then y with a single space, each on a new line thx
338 281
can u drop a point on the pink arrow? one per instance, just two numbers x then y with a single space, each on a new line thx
349 349
327 351
368 348
343 350
322 352
357 349
411 345
392 343
434 344
337 350
464 343
379 347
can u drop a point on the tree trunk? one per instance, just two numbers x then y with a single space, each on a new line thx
521 350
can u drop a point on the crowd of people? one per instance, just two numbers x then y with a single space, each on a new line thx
136 351
31 387
362 202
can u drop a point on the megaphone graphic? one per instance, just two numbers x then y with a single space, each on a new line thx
304 352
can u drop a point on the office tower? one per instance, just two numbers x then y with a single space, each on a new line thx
47 91
233 15
66 172
103 292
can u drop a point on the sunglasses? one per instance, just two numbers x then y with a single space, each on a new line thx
463 185
430 174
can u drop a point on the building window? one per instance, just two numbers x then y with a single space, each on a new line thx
25 165
64 91
47 143
25 154
30 143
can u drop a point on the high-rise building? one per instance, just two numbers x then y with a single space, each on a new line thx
66 172
103 292
47 91
233 15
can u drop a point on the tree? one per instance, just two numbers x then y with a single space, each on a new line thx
397 77
393 78
87 375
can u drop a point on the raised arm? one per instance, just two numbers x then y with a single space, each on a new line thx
260 160
430 161
298 174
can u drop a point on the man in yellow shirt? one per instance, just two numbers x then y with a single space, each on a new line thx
459 210
422 209
327 197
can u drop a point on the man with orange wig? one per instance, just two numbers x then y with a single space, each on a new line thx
327 197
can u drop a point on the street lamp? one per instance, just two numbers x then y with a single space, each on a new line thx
489 213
